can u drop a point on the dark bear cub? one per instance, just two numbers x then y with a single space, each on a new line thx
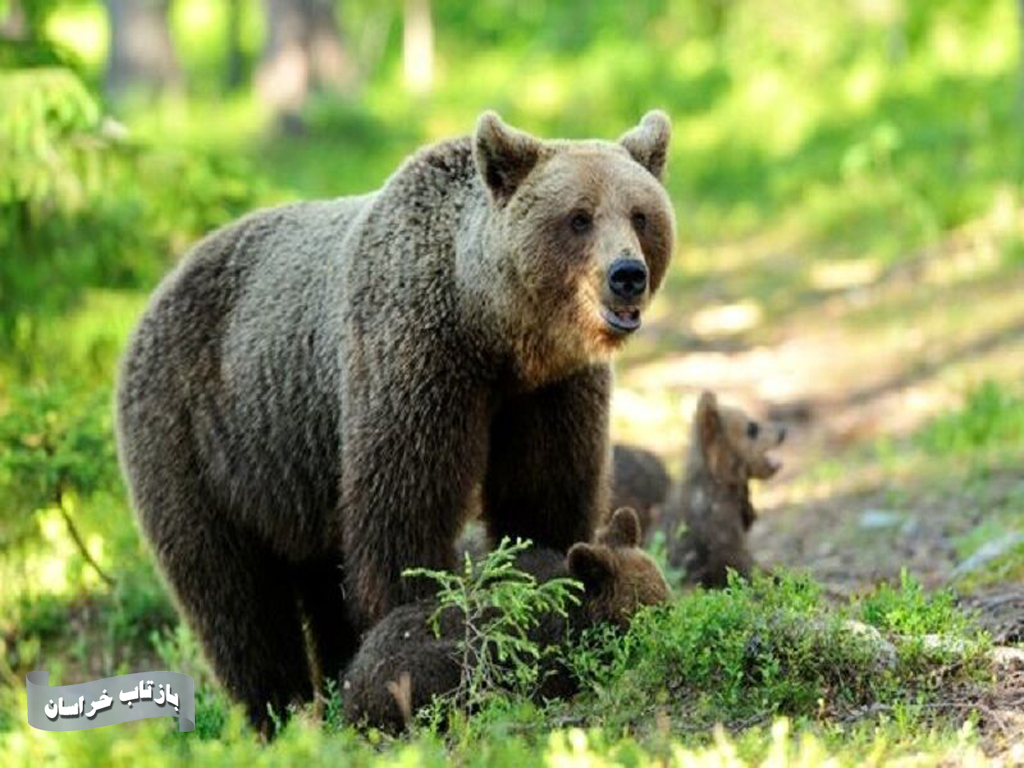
403 664
706 517
639 481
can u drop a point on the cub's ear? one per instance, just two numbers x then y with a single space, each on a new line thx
708 422
504 156
591 564
623 530
648 142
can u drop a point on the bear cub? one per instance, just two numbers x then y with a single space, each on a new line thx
639 481
707 515
402 664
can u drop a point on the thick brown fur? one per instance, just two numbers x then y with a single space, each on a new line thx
639 480
706 516
313 393
618 577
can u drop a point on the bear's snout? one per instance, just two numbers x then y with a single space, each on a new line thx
627 278
626 286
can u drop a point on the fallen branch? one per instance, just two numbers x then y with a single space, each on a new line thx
77 538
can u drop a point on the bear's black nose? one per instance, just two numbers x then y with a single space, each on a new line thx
627 278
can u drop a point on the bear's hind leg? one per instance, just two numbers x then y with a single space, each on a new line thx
240 600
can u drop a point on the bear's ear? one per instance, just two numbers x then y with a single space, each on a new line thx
648 142
623 530
590 564
708 421
503 155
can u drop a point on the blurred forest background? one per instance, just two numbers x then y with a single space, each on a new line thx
847 176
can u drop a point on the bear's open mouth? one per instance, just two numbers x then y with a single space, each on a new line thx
774 465
625 320
765 467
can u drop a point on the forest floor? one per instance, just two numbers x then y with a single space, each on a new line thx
860 365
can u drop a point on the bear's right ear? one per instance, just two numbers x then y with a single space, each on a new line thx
708 421
503 155
591 564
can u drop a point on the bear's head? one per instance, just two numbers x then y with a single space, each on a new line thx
618 577
734 447
578 235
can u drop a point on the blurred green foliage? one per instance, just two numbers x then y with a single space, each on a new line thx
48 138
32 48
80 206
55 441
992 416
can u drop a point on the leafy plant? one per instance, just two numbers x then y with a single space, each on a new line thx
497 605
909 610
50 138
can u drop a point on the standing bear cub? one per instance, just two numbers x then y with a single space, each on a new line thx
707 515
618 579
312 395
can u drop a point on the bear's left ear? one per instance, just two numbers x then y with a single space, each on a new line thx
648 142
503 155
590 564
623 530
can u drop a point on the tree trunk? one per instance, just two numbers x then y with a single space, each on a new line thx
14 25
234 64
418 46
304 51
141 53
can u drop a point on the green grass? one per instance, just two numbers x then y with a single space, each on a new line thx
1007 568
743 656
910 611
759 650
992 416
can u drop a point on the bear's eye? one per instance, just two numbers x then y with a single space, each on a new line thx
639 221
581 221
753 429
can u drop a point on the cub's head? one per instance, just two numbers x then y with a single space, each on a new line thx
582 233
618 577
735 447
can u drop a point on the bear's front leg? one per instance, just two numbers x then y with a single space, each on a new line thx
547 469
411 453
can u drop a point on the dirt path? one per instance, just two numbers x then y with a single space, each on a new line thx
851 355
862 359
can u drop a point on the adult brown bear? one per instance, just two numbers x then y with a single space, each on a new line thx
314 392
